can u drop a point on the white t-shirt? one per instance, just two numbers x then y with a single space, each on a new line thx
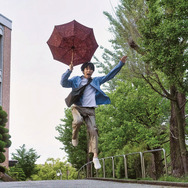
88 98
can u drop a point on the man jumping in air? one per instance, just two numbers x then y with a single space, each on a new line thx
84 108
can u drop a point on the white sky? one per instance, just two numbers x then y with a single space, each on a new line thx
37 98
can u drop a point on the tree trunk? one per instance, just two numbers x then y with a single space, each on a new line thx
180 111
157 165
177 135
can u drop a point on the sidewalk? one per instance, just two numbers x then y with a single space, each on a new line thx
74 184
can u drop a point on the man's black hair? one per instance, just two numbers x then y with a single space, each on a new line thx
88 64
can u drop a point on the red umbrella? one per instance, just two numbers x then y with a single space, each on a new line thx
72 43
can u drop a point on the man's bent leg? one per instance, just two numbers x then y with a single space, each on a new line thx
77 121
93 134
93 142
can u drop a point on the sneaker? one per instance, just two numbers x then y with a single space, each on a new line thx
75 142
97 164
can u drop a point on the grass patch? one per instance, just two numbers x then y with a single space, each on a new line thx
173 179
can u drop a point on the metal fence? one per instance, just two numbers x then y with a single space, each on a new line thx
85 172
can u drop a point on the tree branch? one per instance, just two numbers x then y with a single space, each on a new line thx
183 104
173 135
151 85
165 142
161 86
139 119
134 46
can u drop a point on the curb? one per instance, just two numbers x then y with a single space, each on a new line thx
163 183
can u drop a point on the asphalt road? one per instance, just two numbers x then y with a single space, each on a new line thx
74 184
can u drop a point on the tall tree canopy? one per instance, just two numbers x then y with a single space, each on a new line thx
157 33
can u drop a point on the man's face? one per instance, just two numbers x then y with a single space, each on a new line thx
88 72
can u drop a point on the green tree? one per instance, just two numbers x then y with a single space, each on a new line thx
168 25
156 32
136 117
16 173
26 160
4 137
49 170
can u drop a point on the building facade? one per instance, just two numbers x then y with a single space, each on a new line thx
5 65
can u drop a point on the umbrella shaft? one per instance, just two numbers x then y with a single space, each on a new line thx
72 57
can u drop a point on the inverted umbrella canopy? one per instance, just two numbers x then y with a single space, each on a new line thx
72 43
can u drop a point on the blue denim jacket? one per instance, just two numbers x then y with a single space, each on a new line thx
100 96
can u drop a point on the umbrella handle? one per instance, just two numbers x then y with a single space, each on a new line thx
72 57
